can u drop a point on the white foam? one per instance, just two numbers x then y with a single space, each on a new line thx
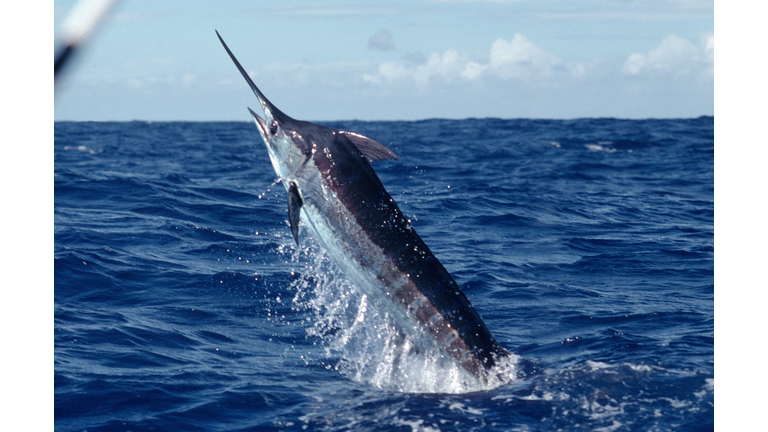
416 425
458 406
598 147
370 345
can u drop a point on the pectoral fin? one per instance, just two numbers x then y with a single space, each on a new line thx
294 210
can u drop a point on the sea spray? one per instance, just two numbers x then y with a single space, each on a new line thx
364 342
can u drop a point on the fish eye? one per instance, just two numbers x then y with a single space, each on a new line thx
273 127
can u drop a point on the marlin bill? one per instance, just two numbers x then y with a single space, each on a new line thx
334 190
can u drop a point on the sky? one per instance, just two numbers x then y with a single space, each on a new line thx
395 60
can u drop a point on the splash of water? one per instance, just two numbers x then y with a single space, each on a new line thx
370 345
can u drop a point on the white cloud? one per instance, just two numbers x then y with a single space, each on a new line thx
473 70
674 56
518 58
709 55
188 78
381 41
391 71
447 66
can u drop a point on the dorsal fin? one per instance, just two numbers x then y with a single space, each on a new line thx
371 149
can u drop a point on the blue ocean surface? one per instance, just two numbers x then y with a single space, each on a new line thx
182 303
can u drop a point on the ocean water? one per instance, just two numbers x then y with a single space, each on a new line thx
182 303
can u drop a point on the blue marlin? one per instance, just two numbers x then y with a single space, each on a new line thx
333 188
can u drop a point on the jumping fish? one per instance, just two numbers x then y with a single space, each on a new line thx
333 188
